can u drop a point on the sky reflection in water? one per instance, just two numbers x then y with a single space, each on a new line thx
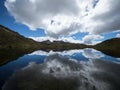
86 69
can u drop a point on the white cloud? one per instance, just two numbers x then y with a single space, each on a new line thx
68 52
69 39
65 39
92 54
118 59
105 17
57 17
40 39
66 17
94 74
92 39
118 35
87 39
88 53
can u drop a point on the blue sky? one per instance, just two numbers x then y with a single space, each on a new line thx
8 21
69 23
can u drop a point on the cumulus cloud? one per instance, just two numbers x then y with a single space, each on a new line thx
92 54
92 39
87 53
87 39
65 39
40 39
104 17
118 35
66 17
64 53
56 17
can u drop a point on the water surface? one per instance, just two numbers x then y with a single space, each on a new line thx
85 69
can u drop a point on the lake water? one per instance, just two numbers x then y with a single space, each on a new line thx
85 69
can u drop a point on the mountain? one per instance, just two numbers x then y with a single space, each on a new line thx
14 45
60 45
110 47
12 40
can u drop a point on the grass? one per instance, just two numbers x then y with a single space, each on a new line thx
110 47
12 42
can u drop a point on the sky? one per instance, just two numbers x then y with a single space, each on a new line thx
76 21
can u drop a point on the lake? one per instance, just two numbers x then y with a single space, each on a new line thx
85 69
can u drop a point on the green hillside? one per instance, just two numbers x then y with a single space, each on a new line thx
12 40
110 47
60 45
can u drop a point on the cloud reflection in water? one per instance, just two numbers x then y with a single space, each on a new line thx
63 73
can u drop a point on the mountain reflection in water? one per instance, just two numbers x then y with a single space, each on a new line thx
86 69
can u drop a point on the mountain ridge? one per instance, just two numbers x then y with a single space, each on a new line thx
14 45
14 41
110 47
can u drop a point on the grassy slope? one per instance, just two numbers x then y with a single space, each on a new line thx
60 46
14 45
12 40
110 47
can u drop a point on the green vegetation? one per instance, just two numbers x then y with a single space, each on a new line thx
14 45
110 47
12 40
60 46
